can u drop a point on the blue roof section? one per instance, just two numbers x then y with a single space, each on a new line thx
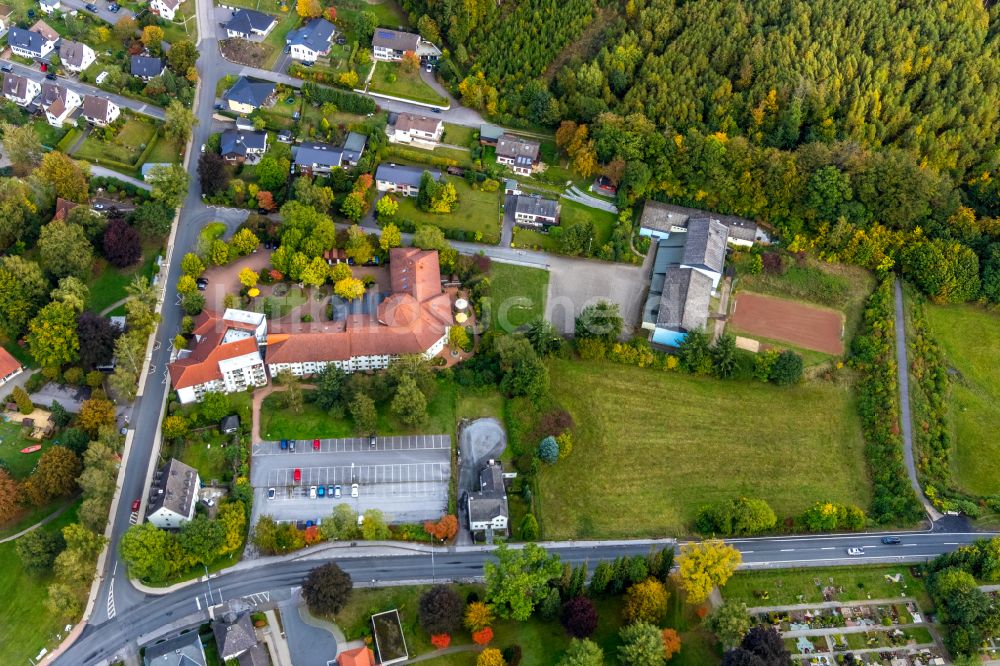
315 35
25 39
146 66
249 91
247 20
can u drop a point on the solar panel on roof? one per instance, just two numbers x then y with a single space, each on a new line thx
384 34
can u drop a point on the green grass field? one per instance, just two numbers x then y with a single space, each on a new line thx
125 148
28 625
650 448
478 403
476 212
11 443
110 283
518 294
795 586
313 422
572 213
407 85
968 337
458 135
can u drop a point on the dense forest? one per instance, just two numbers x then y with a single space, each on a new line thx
863 130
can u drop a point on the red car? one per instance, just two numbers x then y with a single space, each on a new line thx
297 475
45 67
315 445
136 504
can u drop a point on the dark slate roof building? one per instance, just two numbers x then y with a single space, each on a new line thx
315 35
247 22
317 156
685 300
488 510
395 40
183 650
536 205
403 175
236 144
664 218
229 424
234 635
26 40
354 147
250 92
255 656
173 495
706 245
146 67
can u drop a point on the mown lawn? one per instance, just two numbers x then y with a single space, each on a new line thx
407 85
479 403
571 214
125 147
28 625
651 448
969 339
11 442
166 150
518 295
476 212
458 135
786 586
314 422
109 284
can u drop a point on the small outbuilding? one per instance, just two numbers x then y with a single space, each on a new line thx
229 424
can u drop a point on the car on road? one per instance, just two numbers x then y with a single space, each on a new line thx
50 76
336 492
202 147
218 106
136 504
287 49
201 283
320 491
270 493
436 110
312 492
284 445
429 69
315 445
114 7
355 490
856 551
891 540
90 7
7 68
297 475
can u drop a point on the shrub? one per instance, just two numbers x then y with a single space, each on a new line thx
483 636
441 641
579 617
787 369
548 450
529 528
565 442
490 657
645 602
477 616
736 517
512 655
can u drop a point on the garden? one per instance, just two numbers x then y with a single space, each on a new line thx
124 146
517 295
571 214
391 79
477 213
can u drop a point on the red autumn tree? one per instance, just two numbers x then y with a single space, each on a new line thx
483 636
441 641
265 200
446 528
331 14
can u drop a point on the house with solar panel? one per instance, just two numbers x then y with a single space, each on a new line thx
390 45
311 41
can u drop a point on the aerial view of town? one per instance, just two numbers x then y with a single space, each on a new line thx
499 333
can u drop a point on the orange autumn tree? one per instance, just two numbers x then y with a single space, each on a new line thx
441 641
671 643
446 528
265 200
483 636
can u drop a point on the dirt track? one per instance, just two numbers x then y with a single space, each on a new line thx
806 326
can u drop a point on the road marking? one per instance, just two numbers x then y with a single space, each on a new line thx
828 548
787 550
951 543
111 600
909 544
746 552
197 600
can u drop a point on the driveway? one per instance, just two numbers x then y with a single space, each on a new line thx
576 194
576 283
479 441
308 644
102 12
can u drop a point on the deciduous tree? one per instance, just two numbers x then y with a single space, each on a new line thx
349 289
64 250
169 183
409 404
579 617
583 653
642 645
516 583
387 207
179 121
66 175
704 565
374 527
52 338
39 548
440 610
214 173
22 146
363 413
326 589
23 288
10 496
95 413
730 623
122 245
478 615
308 8
490 657
671 643
646 602
152 37
446 528
54 476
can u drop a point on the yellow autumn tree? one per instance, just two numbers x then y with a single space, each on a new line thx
308 8
703 566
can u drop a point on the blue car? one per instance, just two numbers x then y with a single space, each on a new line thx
320 491
284 444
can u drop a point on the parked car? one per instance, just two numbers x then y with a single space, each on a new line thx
208 501
355 490
891 540
291 445
336 492
201 283
287 49
136 504
7 68
114 8
371 441
436 110
315 445
312 492
270 493
202 147
329 491
218 106
320 491
284 445
50 76
856 551
90 7
297 475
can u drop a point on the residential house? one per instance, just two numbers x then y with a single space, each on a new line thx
400 179
165 9
234 635
489 135
237 146
59 103
247 23
659 220
487 507
6 17
511 186
173 495
359 656
412 128
100 110
63 207
686 270
247 95
49 6
285 136
145 67
413 318
532 210
313 157
229 424
35 42
311 41
224 355
521 155
76 56
20 89
390 45
183 650
354 148
255 656
10 367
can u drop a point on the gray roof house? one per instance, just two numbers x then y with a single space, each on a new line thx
19 89
684 301
354 147
533 210
311 40
229 424
395 40
317 157
233 635
705 248
183 650
237 145
490 134
516 152
145 67
659 219
76 56
173 495
255 656
401 178
488 510
249 93
248 22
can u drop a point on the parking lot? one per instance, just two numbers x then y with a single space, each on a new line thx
405 477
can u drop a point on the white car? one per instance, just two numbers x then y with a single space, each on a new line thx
312 492
355 491
202 147
855 552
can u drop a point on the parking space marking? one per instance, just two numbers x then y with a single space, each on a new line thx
357 445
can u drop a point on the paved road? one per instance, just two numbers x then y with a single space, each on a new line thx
84 89
102 12
188 604
903 374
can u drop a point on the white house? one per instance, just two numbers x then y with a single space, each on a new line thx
165 8
35 42
248 23
49 6
311 40
76 56
225 356
173 495
247 95
532 210
20 89
520 154
390 45
59 103
401 179
99 111
487 507
411 128
10 367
